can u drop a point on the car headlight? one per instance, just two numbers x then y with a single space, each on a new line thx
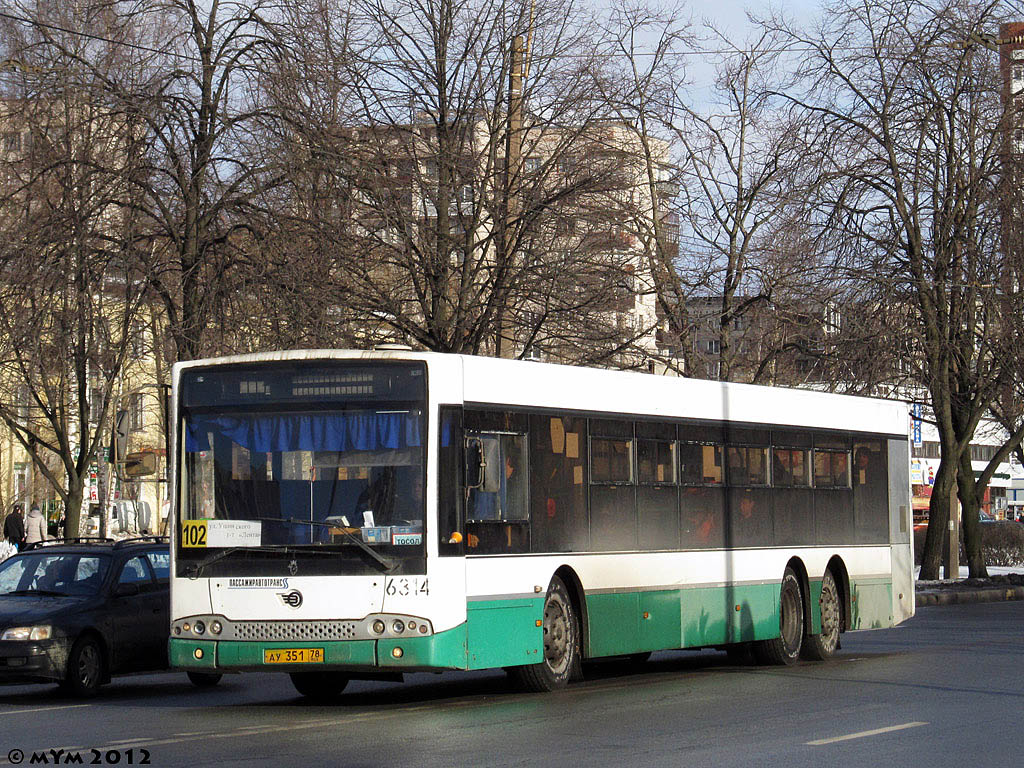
27 633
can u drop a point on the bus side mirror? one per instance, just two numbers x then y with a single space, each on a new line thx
138 464
119 436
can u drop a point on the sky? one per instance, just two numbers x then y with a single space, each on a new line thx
731 14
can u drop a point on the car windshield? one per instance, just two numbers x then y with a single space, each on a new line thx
53 573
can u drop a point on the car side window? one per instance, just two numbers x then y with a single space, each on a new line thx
134 572
161 564
11 575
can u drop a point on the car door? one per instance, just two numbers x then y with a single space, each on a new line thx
160 563
134 616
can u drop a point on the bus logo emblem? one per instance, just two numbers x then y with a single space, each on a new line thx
292 599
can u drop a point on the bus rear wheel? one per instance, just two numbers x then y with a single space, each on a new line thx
561 645
319 686
785 649
823 646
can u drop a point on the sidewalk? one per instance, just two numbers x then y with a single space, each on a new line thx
1002 584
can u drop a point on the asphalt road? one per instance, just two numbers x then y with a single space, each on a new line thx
945 689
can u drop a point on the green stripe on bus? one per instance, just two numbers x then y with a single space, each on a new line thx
182 653
871 606
629 622
504 633
445 650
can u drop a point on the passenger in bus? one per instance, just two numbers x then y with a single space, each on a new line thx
866 469
782 471
840 478
378 497
705 529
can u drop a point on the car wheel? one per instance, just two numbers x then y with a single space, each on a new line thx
86 667
204 679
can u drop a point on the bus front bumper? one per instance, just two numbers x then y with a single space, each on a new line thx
444 650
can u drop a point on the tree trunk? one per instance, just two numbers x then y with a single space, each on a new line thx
938 521
73 508
967 489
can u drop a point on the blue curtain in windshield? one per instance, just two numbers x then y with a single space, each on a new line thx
360 431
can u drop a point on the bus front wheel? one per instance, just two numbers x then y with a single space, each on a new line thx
785 649
204 679
319 686
823 646
561 644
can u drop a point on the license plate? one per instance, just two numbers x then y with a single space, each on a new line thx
294 656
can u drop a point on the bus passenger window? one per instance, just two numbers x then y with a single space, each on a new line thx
503 492
831 469
747 465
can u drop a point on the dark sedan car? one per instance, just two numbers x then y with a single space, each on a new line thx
76 612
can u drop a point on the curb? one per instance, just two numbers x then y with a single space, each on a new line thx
952 596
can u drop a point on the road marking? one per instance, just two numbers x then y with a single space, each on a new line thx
39 709
863 734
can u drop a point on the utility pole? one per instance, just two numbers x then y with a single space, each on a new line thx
513 180
951 561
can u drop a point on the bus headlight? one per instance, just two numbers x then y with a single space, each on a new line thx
216 627
398 626
199 628
378 627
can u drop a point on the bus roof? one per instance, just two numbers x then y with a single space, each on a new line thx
517 383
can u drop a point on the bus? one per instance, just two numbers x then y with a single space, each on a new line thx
346 515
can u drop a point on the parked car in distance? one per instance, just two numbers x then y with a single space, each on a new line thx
123 516
78 611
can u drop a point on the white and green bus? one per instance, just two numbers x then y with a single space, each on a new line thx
362 514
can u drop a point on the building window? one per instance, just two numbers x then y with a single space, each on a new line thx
138 339
1018 71
12 141
531 165
135 411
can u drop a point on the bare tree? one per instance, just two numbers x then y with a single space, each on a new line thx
447 161
68 287
916 131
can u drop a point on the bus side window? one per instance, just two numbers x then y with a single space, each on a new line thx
449 482
502 494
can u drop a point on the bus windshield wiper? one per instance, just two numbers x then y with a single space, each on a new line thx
385 562
388 564
195 569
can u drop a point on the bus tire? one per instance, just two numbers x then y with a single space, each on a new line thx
823 646
319 686
785 649
204 679
561 645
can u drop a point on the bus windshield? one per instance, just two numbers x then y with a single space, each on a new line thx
301 462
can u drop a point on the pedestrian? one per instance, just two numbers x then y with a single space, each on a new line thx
14 527
35 526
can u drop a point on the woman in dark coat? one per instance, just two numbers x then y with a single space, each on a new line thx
14 527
